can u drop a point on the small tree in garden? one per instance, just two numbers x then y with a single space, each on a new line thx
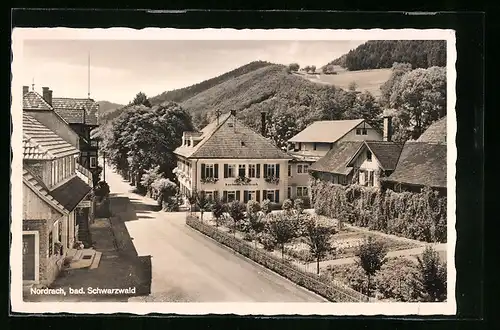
202 202
287 206
281 229
298 205
236 210
318 237
254 220
265 206
371 256
192 201
432 275
218 209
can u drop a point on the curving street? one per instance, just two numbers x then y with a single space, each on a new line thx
186 266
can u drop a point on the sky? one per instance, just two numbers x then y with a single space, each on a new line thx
119 69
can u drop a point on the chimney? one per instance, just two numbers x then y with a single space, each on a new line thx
26 89
387 128
47 95
263 123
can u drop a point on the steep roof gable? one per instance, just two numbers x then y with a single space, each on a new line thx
31 181
34 101
39 142
387 153
336 160
329 131
72 110
232 139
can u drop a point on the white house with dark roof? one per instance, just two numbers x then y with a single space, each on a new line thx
229 160
53 190
316 141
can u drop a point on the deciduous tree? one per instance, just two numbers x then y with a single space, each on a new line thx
236 210
318 236
371 255
281 229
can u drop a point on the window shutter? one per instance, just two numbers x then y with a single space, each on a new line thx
202 171
265 170
216 194
224 196
216 171
225 170
264 194
277 174
245 196
276 196
238 195
257 196
258 171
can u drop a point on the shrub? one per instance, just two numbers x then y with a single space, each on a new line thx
398 279
218 209
253 206
101 190
236 210
267 241
420 216
287 205
432 274
265 206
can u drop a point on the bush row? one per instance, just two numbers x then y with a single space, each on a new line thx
329 291
420 216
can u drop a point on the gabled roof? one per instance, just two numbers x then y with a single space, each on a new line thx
436 133
39 142
422 164
328 131
336 160
32 182
34 101
387 153
71 110
71 193
231 139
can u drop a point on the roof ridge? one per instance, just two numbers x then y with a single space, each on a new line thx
41 97
204 140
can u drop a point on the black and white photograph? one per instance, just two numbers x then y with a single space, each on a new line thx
221 171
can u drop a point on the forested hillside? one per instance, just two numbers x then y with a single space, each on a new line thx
378 54
182 94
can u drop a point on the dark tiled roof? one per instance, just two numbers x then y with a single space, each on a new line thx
34 101
71 110
39 188
39 142
232 139
436 133
335 161
326 131
422 164
387 153
71 193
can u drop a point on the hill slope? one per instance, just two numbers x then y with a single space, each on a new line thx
378 54
182 94
106 106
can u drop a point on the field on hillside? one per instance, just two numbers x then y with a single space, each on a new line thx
367 80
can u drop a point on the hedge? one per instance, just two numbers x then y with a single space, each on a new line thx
420 216
330 291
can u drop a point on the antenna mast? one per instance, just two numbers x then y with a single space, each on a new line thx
88 77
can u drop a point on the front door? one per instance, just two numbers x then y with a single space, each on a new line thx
29 257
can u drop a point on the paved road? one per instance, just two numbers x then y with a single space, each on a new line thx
189 267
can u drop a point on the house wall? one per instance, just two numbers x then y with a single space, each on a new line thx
364 165
56 124
298 179
36 208
371 134
49 264
192 177
314 148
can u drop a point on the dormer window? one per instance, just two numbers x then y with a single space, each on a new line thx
242 143
368 155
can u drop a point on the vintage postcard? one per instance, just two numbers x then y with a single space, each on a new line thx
220 171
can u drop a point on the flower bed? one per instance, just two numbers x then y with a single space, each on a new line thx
329 290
